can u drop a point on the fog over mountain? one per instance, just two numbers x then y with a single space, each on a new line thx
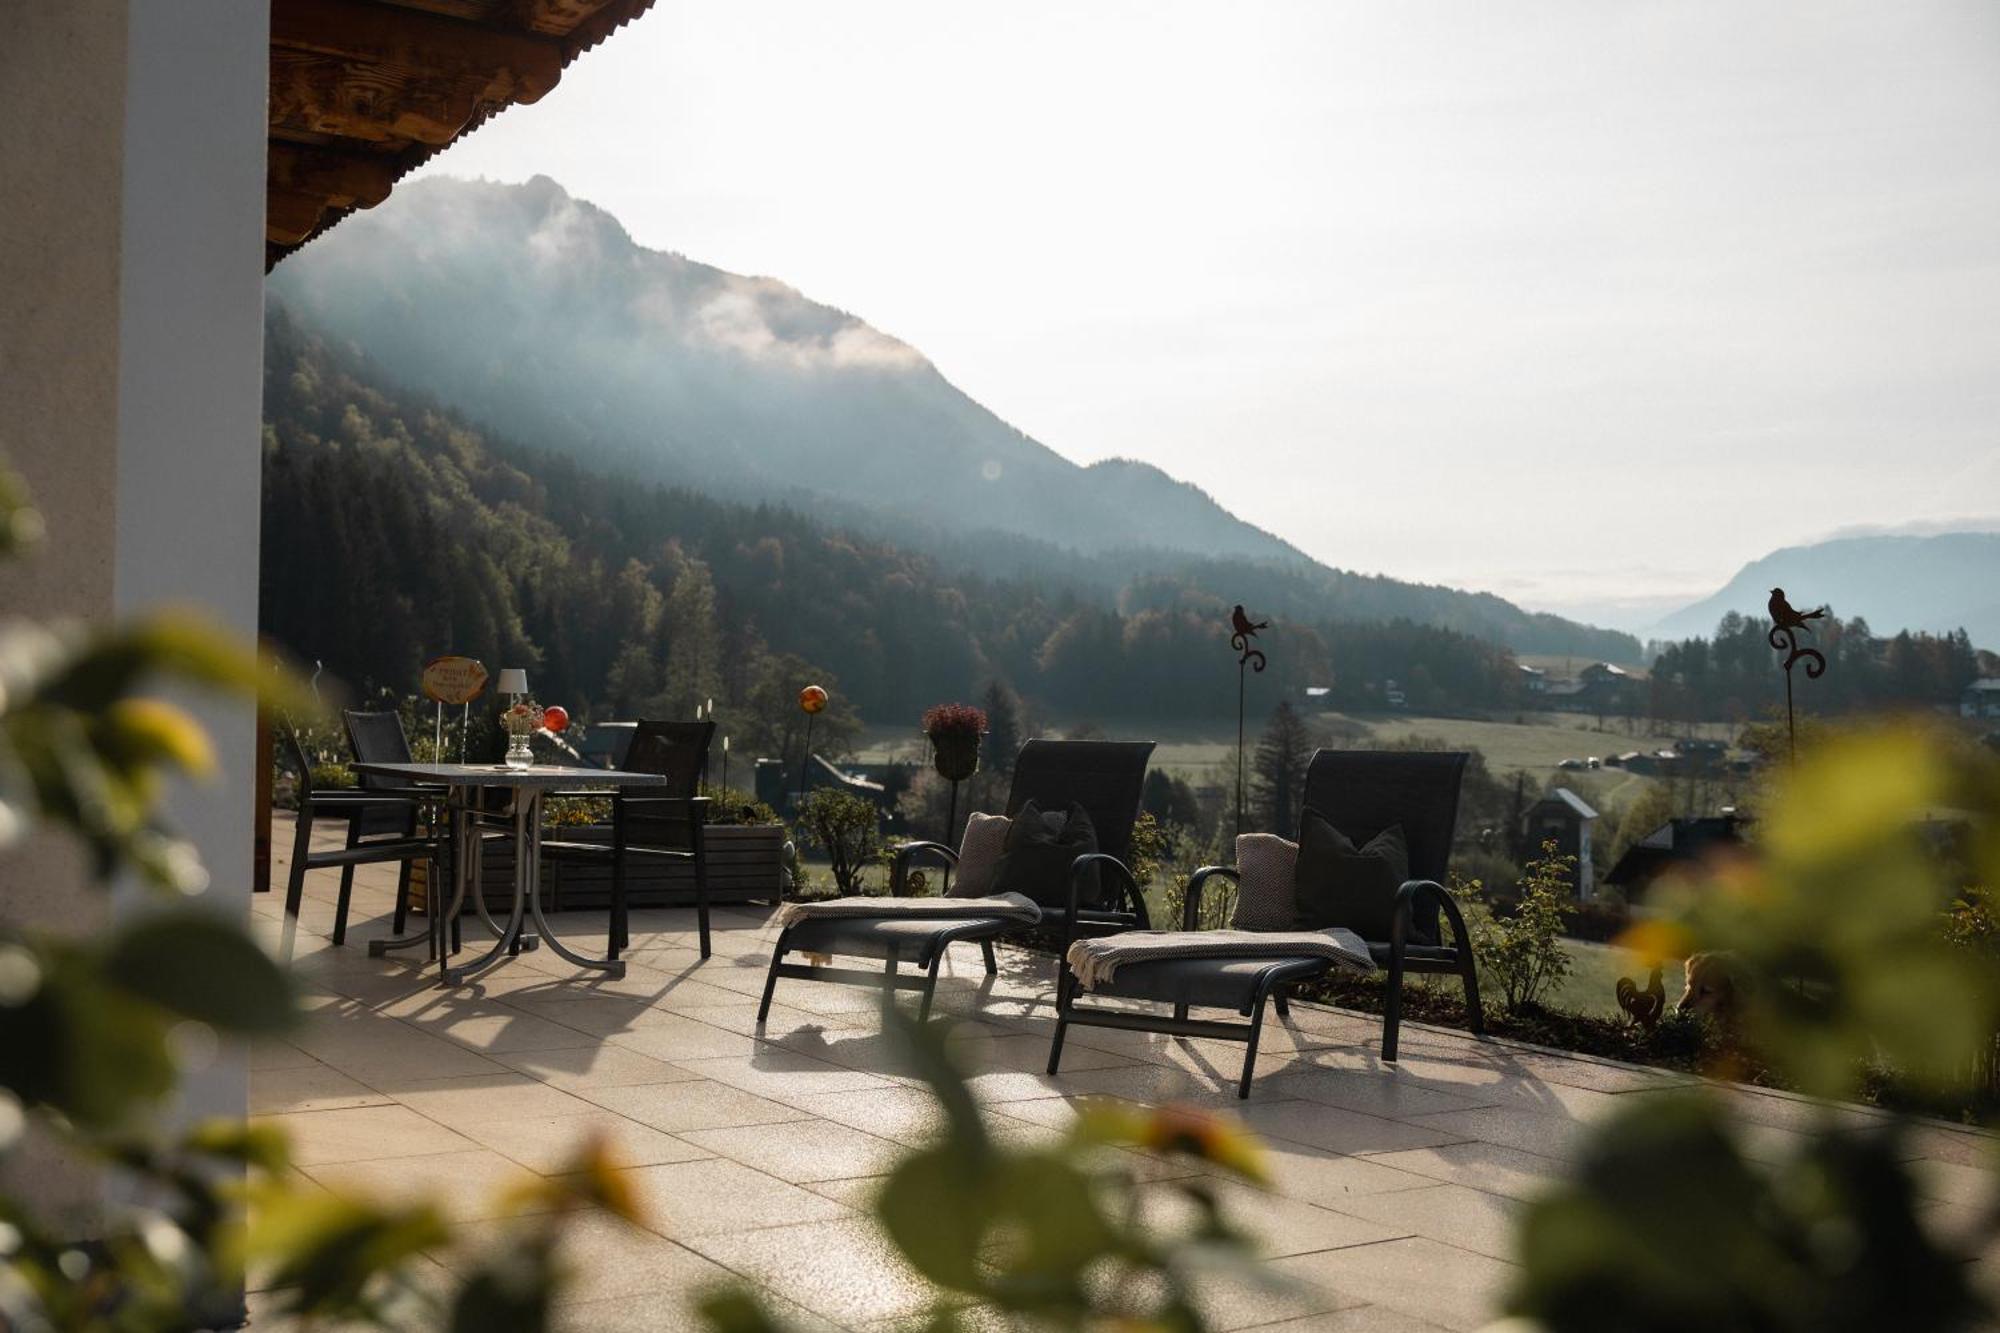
1938 582
537 315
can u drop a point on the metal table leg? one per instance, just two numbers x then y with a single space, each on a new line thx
378 947
504 946
610 966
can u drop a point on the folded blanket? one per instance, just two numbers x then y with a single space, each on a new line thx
1096 961
1005 906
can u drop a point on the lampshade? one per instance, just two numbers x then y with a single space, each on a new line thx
513 680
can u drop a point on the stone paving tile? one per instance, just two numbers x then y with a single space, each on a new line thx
802 1151
1528 1131
717 1196
1373 1092
1337 1130
1355 1319
362 1134
1420 1277
278 1055
468 1185
1277 1226
608 1257
503 1096
678 1037
493 1029
845 1270
782 1075
1454 1214
1231 1301
1485 1166
698 1104
548 1145
596 1066
308 1087
1410 1234
907 1115
1328 1179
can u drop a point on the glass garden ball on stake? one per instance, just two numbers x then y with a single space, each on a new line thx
812 701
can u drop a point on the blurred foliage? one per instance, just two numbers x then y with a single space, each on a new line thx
1058 1235
98 1021
1666 1224
1859 934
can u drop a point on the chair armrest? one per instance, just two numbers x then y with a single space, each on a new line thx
904 852
1077 870
1406 902
1191 910
696 804
900 858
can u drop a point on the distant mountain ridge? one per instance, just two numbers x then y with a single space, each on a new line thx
1936 582
537 315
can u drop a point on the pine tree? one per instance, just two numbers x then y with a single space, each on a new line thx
1003 729
1278 770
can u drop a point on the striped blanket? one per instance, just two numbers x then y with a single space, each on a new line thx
1005 907
1096 961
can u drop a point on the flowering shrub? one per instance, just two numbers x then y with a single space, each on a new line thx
954 720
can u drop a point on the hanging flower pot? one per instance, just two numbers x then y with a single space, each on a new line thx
954 731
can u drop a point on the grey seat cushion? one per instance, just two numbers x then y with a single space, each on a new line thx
1415 953
1219 983
913 939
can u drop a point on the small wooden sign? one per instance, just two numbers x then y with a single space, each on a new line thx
453 680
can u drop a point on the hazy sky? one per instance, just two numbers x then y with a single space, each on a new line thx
1577 302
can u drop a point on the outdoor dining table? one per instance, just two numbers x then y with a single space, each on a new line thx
465 786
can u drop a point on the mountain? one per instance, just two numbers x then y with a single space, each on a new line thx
394 531
537 316
537 312
1938 582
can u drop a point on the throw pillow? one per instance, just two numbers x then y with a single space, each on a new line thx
979 855
1334 884
1039 849
1264 870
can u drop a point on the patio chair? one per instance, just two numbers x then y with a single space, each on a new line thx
1106 778
653 823
393 817
1361 793
395 809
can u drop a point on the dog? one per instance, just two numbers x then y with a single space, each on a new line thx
1715 985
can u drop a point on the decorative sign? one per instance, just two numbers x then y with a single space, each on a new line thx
453 680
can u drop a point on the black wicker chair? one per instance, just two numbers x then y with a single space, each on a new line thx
1360 792
398 810
380 828
654 823
1106 778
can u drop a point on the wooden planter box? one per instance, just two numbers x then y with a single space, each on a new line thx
745 864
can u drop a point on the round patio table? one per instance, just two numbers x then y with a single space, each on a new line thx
464 786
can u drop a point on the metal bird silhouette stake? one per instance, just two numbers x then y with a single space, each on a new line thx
1787 623
1643 1007
1242 630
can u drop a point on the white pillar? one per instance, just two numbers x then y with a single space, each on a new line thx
131 329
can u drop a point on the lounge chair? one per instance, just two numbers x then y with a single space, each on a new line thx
1361 793
1106 778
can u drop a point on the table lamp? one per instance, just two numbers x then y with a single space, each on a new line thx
513 683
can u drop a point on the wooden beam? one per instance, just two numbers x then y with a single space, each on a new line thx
557 18
388 75
349 179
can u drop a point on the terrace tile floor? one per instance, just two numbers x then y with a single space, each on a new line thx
755 1153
